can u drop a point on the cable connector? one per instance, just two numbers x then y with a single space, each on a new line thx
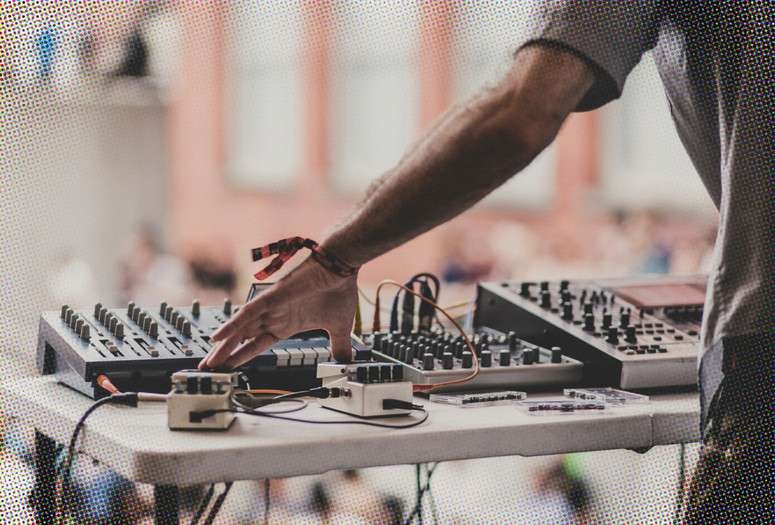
126 398
393 404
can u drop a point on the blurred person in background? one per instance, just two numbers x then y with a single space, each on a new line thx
715 64
149 274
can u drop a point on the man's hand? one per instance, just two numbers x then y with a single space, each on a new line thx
308 298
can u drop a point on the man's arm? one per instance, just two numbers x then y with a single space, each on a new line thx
474 149
471 151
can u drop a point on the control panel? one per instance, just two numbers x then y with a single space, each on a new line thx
140 347
432 357
631 333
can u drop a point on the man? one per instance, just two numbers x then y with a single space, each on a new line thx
716 63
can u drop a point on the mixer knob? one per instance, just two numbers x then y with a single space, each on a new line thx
527 358
179 323
536 355
587 308
153 329
468 360
97 308
78 325
168 314
556 354
146 324
504 358
130 309
624 319
446 361
361 374
227 307
607 320
594 298
408 355
186 329
546 299
544 286
174 318
113 324
485 359
630 336
102 317
119 333
162 308
567 311
140 318
195 308
524 289
428 362
63 312
564 284
68 315
85 332
613 335
589 323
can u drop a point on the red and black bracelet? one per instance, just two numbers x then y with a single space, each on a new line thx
287 248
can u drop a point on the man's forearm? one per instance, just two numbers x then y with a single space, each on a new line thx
471 151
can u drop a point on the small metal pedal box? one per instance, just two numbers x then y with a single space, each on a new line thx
194 392
359 389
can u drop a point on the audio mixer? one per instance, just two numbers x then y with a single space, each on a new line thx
631 333
139 348
505 361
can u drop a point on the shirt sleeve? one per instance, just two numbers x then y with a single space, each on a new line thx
610 35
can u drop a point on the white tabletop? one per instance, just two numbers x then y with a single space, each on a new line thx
136 443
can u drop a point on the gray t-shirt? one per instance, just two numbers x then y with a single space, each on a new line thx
717 64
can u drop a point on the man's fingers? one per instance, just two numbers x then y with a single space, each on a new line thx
249 350
341 345
220 353
250 314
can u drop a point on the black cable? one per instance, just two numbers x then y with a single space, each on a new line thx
203 505
419 494
128 399
218 504
425 488
208 413
267 495
431 499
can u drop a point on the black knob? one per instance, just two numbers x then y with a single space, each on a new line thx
556 354
527 358
536 355
513 341
567 311
607 320
588 308
195 308
226 307
174 318
62 313
119 333
113 324
374 374
398 373
447 361
589 323
613 335
524 289
130 309
408 355
186 329
544 286
168 314
162 307
153 329
631 337
504 358
624 319
485 359
546 299
468 360
361 374
97 308
564 284
428 361
85 332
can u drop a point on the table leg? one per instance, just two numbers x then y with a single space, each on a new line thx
45 479
167 504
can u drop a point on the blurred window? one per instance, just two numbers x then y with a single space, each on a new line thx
644 164
264 93
486 36
374 90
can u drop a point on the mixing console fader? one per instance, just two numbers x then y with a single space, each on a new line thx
139 348
632 333
505 361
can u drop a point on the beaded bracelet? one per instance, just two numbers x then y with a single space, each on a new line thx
287 248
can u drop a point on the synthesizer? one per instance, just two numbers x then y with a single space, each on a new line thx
139 348
632 333
505 361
